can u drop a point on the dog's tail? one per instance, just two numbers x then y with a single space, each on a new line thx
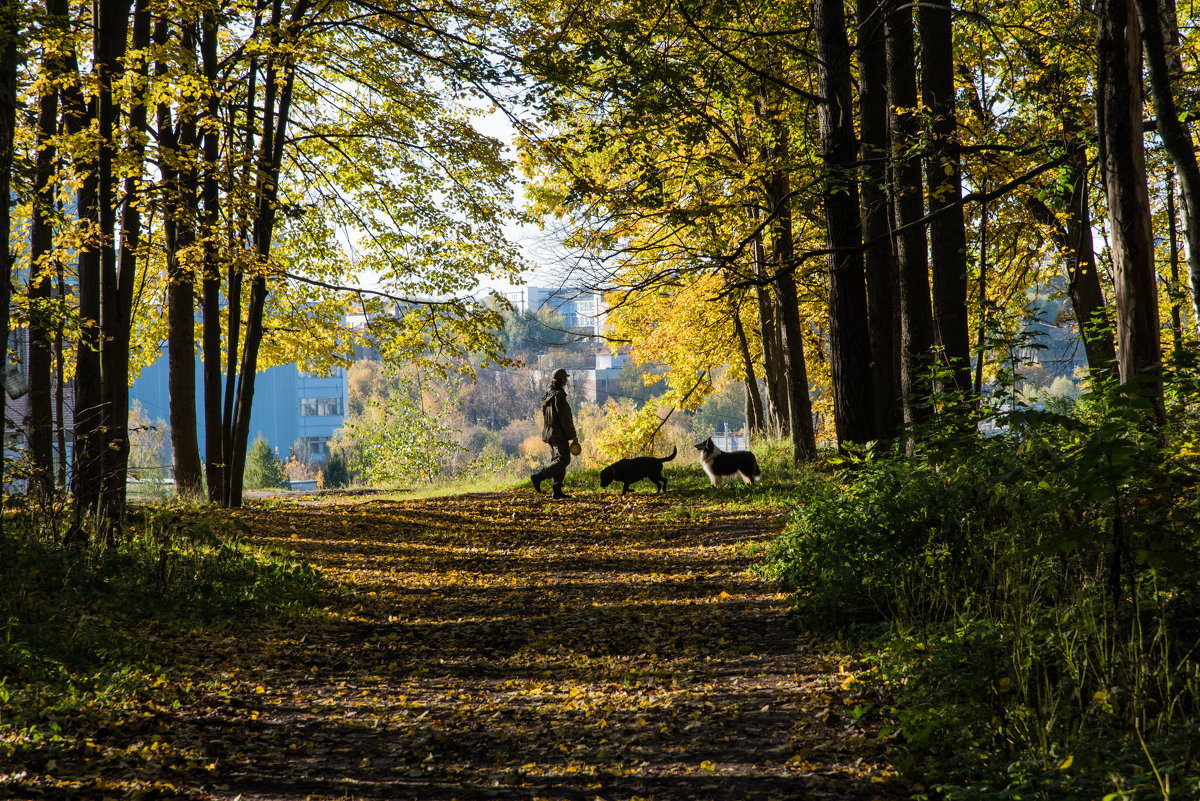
674 451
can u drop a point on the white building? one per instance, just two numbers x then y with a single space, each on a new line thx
583 310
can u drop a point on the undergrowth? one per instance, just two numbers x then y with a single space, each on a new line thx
80 624
1030 599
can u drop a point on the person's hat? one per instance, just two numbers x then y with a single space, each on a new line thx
575 449
560 374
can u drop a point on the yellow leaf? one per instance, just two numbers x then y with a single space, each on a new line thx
1004 685
1066 763
709 766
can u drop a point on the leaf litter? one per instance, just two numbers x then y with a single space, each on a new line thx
495 646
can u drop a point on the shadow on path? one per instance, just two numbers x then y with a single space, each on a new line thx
500 646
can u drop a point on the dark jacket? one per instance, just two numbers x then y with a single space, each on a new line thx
557 423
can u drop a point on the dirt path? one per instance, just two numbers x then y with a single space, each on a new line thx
501 646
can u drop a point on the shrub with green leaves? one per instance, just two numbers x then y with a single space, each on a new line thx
1039 592
404 443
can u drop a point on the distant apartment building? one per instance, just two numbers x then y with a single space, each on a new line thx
293 410
582 310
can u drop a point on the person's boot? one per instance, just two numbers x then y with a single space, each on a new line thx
537 482
558 492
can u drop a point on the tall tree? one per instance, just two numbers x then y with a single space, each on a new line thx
878 259
1122 159
943 175
777 188
41 264
216 460
120 274
91 121
9 34
279 83
849 337
178 139
916 313
1159 36
111 46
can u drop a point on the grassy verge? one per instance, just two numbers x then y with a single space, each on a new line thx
82 628
782 481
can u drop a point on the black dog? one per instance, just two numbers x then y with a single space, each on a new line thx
631 471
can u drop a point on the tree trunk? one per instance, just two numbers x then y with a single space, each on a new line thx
777 191
60 401
849 340
1118 117
799 404
916 313
943 175
179 178
878 261
1158 33
119 276
275 121
775 378
1173 246
803 436
215 461
754 407
41 247
233 313
87 476
8 126
804 444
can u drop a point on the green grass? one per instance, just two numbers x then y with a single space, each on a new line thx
81 623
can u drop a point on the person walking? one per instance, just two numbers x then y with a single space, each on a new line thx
558 431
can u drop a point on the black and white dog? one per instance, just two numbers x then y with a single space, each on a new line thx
631 471
720 465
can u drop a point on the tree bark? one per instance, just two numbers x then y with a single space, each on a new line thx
87 476
275 121
879 263
787 297
176 142
8 126
1118 117
116 313
916 313
754 407
849 340
215 460
1158 33
41 247
1173 246
776 410
233 312
60 401
943 175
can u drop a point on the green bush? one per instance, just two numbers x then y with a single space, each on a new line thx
1037 591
